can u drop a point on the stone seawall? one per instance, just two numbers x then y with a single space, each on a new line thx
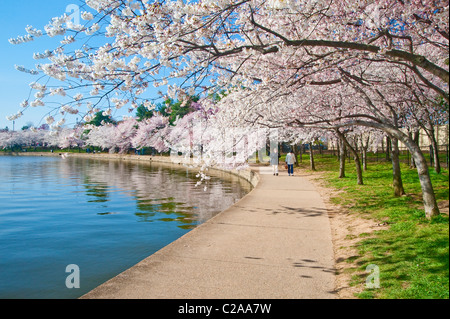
247 174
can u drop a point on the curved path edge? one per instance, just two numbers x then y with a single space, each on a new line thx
275 243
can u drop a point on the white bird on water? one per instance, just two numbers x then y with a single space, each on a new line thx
65 155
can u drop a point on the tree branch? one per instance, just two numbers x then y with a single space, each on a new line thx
415 59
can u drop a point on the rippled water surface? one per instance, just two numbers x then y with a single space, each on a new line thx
103 216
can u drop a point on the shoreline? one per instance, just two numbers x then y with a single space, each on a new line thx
248 174
266 245
273 243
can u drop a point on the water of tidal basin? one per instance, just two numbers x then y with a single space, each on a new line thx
103 216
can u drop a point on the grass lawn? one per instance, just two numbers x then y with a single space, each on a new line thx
413 253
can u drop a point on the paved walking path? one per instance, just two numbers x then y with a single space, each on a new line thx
274 243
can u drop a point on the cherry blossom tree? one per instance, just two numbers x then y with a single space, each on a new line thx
281 63
376 102
210 44
101 136
68 138
7 139
152 132
124 132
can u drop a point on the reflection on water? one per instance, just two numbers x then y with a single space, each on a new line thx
160 191
104 216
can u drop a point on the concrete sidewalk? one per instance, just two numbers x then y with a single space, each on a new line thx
275 243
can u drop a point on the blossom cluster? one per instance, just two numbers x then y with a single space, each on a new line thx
21 68
21 39
288 64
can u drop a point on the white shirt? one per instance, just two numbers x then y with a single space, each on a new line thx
290 158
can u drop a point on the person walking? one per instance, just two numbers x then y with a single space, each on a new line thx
274 160
290 161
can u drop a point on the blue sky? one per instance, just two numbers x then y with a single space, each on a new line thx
14 85
15 16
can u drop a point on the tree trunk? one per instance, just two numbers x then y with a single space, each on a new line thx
428 196
364 149
388 148
359 176
435 147
296 155
342 151
300 160
429 199
338 147
415 138
397 176
311 157
364 158
356 144
333 150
